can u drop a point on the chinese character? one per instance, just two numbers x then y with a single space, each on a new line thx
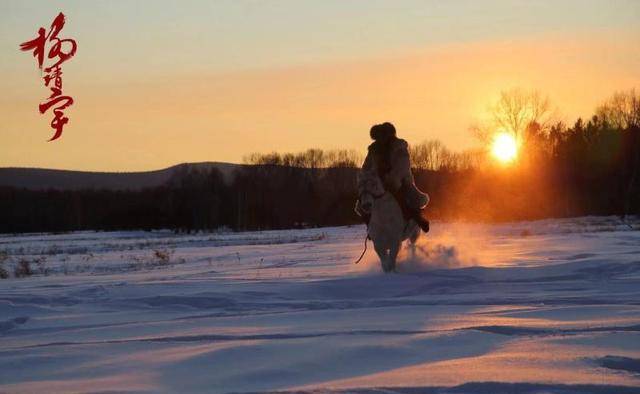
59 51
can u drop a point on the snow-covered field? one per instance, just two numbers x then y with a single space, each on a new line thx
533 307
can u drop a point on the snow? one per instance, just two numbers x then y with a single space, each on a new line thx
550 306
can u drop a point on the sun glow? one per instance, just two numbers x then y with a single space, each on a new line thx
504 147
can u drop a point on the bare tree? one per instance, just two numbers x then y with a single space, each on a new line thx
272 158
514 112
343 158
428 155
433 155
622 110
311 158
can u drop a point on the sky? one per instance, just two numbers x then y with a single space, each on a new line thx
156 83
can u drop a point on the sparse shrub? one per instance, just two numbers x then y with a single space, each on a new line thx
53 250
162 255
41 263
23 269
4 274
159 258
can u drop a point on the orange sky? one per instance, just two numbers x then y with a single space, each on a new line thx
139 120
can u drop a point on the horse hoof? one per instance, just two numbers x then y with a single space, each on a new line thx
386 270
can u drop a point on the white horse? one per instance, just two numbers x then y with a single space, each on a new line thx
388 228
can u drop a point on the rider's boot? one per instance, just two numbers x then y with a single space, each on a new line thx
422 222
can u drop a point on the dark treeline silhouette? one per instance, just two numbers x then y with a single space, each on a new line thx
589 168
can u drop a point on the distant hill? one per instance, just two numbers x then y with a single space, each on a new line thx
41 178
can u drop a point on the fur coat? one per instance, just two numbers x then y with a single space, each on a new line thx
387 167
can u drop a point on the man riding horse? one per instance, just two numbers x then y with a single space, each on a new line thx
387 167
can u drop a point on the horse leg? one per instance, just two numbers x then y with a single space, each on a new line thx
413 239
415 234
393 254
384 257
412 249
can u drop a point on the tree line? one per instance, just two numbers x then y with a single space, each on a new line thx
591 167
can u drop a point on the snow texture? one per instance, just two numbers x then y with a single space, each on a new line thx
550 306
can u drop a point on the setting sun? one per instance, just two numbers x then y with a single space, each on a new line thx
504 147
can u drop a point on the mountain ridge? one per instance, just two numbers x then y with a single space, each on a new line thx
46 178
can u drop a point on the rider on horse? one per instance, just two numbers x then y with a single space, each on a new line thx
388 168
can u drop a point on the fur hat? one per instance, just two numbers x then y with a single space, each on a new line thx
382 131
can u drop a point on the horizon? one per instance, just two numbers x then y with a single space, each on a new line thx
123 171
197 82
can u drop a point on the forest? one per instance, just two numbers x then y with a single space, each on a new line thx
591 167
